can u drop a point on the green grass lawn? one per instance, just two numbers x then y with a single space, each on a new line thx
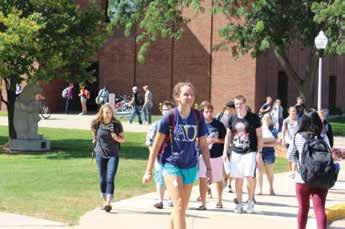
154 118
338 125
63 185
3 113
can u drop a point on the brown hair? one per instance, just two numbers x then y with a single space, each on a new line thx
208 106
241 97
99 116
177 89
203 104
166 103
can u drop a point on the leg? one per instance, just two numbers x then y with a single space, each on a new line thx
238 187
175 188
220 187
131 117
102 170
145 110
203 190
139 115
269 172
113 163
260 178
251 187
150 114
319 202
303 194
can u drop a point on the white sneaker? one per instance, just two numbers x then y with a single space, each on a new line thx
292 175
250 207
170 203
238 208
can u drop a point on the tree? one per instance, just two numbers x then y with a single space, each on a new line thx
254 27
46 40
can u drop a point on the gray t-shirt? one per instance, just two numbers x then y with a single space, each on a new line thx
105 144
148 97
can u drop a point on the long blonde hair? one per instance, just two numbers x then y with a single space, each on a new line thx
99 116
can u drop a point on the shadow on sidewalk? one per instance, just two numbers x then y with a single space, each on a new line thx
157 213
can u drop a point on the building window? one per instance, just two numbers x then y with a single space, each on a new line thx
332 98
283 89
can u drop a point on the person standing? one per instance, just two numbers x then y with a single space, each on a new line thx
69 97
300 107
289 130
327 130
311 127
103 95
180 130
158 176
245 135
215 141
107 134
277 114
137 103
266 107
270 138
84 96
148 104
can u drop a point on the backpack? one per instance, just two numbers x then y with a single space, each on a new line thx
316 167
171 118
220 116
64 93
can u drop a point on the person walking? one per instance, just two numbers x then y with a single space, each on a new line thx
300 107
311 128
277 114
266 107
215 141
327 128
270 138
158 175
84 96
68 97
224 116
180 130
289 130
107 135
148 104
103 96
245 135
137 103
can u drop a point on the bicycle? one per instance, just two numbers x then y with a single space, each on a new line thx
45 111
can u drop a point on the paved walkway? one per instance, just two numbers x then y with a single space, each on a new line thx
79 122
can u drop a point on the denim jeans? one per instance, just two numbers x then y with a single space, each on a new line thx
147 110
136 111
68 102
107 168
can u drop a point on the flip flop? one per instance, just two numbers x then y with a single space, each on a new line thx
201 208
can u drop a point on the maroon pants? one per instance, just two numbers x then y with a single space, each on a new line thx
303 193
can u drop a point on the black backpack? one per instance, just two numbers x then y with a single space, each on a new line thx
316 167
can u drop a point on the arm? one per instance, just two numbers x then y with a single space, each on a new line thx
284 132
93 131
120 138
260 145
227 141
206 156
152 157
330 135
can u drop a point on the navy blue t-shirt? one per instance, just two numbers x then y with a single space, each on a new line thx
185 133
216 130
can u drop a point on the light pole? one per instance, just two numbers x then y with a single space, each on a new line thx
321 43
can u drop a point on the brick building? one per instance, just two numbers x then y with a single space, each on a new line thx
216 75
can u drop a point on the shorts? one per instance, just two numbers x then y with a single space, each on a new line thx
188 175
268 155
83 99
242 165
217 168
159 178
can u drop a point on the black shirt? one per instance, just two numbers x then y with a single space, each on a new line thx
244 139
300 110
105 144
216 130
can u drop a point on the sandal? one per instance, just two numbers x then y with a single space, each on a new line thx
107 208
201 208
219 205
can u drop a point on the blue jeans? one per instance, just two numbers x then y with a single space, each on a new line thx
107 168
68 102
147 110
136 111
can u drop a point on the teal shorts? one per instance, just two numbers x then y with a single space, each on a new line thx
159 178
188 175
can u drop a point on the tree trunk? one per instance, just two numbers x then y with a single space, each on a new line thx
11 99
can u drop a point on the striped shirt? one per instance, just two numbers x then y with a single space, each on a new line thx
297 147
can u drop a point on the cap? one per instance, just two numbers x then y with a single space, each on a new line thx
230 104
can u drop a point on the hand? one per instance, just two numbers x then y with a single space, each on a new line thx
114 136
279 141
210 141
259 160
94 141
147 177
209 176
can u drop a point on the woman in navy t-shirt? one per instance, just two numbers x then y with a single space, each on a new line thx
180 129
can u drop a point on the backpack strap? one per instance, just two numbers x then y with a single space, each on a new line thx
197 115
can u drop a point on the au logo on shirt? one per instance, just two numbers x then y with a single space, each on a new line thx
185 133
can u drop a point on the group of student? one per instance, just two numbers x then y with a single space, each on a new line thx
188 144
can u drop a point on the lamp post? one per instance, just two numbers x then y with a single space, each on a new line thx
321 43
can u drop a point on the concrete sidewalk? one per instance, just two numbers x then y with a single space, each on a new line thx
271 211
79 122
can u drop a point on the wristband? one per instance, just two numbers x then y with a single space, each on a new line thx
260 151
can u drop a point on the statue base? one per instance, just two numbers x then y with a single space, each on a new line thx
33 145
